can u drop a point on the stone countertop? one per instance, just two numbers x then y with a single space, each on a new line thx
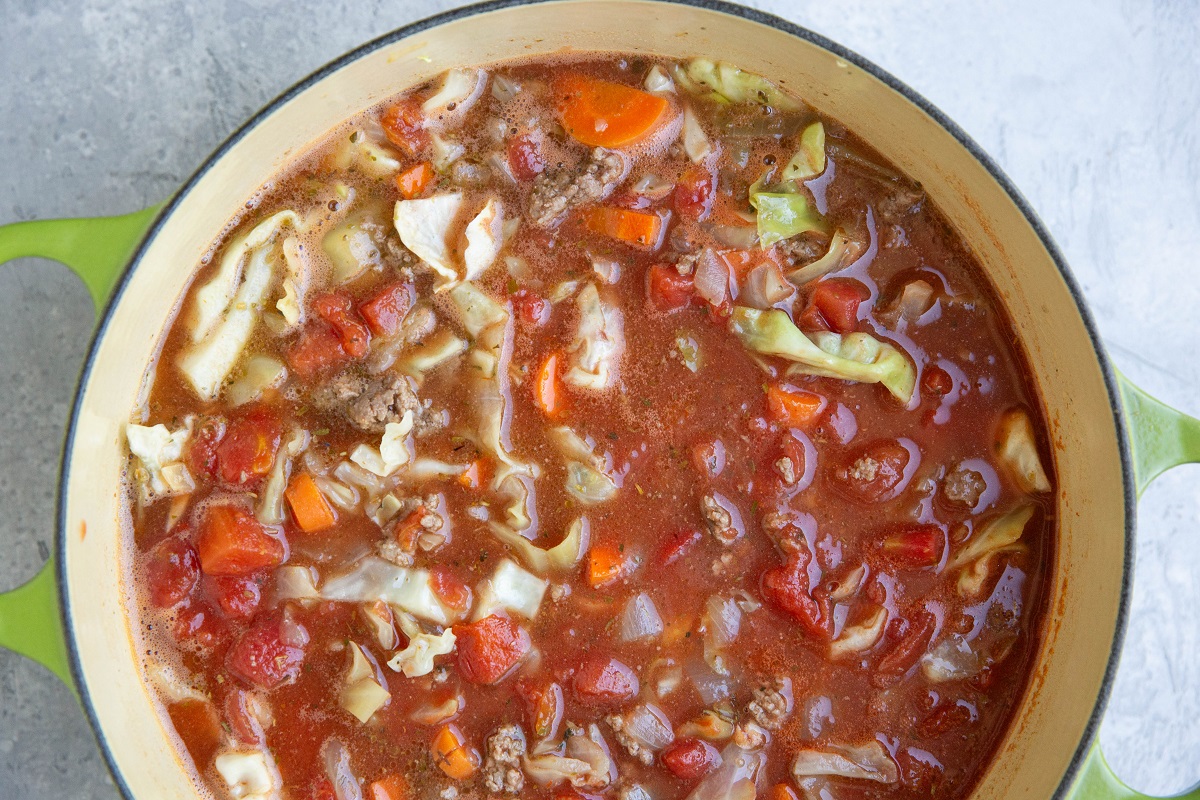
1090 106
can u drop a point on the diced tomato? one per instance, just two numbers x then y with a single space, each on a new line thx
936 381
200 624
909 647
676 546
786 588
667 290
247 452
525 158
708 457
793 407
529 308
837 300
317 350
694 193
415 180
876 471
232 542
605 564
917 545
201 452
337 308
488 649
404 126
172 571
546 705
689 758
237 595
943 719
810 320
449 589
269 654
604 680
386 310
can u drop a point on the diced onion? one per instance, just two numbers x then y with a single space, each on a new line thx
649 726
712 278
336 758
764 287
711 686
640 619
724 619
657 80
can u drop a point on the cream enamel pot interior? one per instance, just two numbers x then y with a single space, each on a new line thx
1051 736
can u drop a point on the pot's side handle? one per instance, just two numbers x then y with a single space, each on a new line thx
97 250
1160 438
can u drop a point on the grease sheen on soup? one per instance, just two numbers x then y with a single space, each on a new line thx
589 427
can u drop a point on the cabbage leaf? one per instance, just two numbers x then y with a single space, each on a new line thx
160 471
842 252
599 342
417 658
562 557
485 237
999 534
510 588
732 84
249 774
854 357
782 215
408 589
867 762
1016 445
424 228
362 693
809 160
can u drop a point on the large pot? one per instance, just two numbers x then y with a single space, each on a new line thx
72 617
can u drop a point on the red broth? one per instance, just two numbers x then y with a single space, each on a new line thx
590 427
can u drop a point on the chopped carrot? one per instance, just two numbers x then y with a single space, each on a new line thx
393 787
795 408
781 791
414 180
452 753
475 475
310 508
547 388
639 228
601 113
605 565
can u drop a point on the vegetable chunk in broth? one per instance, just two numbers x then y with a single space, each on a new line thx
589 427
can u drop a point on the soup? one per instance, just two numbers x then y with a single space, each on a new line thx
581 427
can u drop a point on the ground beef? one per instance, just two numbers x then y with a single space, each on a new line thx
556 190
865 469
963 487
631 745
771 705
803 249
903 200
749 736
786 469
718 520
502 769
369 404
686 263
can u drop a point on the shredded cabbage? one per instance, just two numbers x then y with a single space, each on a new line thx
417 658
407 589
363 694
424 228
270 509
869 762
510 589
485 237
695 140
434 351
351 249
249 774
562 557
598 344
476 308
359 151
295 284
999 534
809 160
460 90
842 252
160 471
729 83
782 215
854 357
393 451
259 374
1016 445
860 637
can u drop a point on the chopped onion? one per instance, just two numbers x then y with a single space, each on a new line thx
695 141
868 762
341 495
336 758
711 686
860 637
667 676
381 621
294 582
649 726
460 90
953 659
848 586
640 619
608 269
739 237
657 80
653 187
843 251
712 277
736 777
504 88
723 618
764 287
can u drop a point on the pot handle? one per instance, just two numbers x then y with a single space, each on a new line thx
97 250
1160 438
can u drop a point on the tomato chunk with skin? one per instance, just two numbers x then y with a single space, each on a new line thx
337 308
786 588
918 545
247 452
667 290
386 310
689 758
236 595
525 157
677 545
172 571
488 649
604 680
269 654
200 624
232 542
838 299
201 452
449 589
404 126
530 308
693 195
909 647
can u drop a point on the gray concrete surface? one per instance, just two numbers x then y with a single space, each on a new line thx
1091 106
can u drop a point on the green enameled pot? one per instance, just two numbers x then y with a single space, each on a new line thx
1109 439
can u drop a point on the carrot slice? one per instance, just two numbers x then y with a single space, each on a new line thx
393 787
795 408
639 228
601 113
414 180
452 754
605 565
310 508
546 388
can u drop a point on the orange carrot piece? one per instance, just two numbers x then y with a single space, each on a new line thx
414 180
310 508
605 564
601 113
393 787
795 408
640 228
452 754
547 388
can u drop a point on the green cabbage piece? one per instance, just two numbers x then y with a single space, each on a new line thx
998 535
782 215
853 357
732 84
809 160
